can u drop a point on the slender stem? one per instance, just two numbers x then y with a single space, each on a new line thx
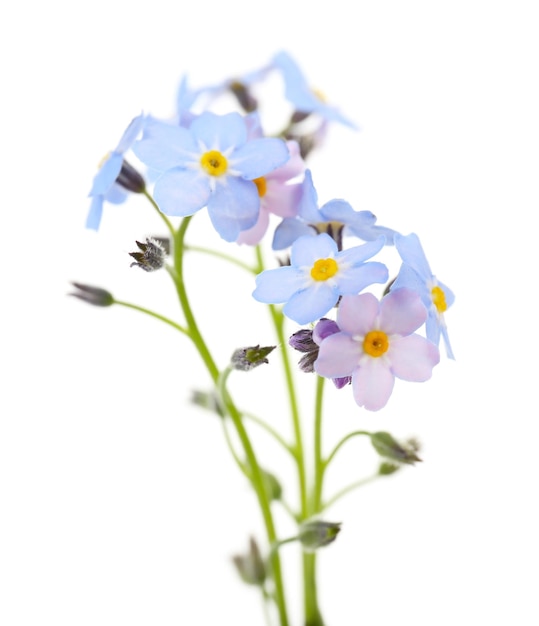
158 316
271 431
256 476
223 256
341 443
348 489
168 223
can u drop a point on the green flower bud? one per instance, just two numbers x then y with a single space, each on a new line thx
250 566
92 295
245 359
388 447
316 534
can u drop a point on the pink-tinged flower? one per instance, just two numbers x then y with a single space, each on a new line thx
277 195
377 343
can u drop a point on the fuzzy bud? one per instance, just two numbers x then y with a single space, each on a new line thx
316 534
92 295
251 566
151 255
388 447
245 359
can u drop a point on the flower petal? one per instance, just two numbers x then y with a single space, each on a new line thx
355 279
131 133
372 384
95 213
107 174
278 285
338 356
309 305
164 146
220 132
411 253
356 315
254 235
233 207
413 357
259 157
288 231
402 312
181 192
306 250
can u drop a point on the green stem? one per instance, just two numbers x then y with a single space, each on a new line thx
157 316
219 381
348 489
168 223
341 443
223 256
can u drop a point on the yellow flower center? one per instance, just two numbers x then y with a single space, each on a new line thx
324 269
375 343
214 163
261 185
438 298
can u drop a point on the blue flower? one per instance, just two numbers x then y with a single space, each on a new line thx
415 273
212 163
104 186
317 275
332 217
301 95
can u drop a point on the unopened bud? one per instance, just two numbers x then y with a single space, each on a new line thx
92 295
388 447
151 257
316 534
245 359
386 468
251 566
207 400
130 179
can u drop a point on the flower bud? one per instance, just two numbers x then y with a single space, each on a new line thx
316 534
92 295
245 359
251 566
386 468
388 447
130 179
207 400
151 257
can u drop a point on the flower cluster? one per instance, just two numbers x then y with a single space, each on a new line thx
362 323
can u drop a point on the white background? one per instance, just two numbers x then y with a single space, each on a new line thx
119 503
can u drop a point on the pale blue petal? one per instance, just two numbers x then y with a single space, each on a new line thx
259 157
433 327
409 278
116 194
311 304
306 250
220 132
411 253
368 233
130 134
107 174
449 295
308 206
181 192
448 349
164 146
358 278
95 213
278 285
342 211
234 207
358 254
288 231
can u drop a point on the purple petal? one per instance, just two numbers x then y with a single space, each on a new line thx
181 192
372 384
338 356
413 357
357 315
254 235
402 312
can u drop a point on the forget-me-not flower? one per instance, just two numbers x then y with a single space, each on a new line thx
301 95
332 218
212 163
377 343
318 275
415 273
105 186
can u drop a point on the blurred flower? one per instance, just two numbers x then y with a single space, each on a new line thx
415 273
301 95
92 295
250 566
213 164
113 177
317 275
375 344
331 218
